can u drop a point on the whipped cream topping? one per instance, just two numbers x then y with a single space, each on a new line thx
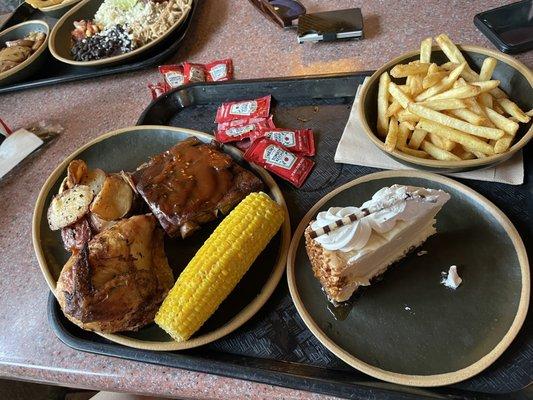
388 206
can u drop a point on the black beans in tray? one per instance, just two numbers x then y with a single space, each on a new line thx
111 42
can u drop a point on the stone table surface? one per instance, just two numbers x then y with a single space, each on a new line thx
29 349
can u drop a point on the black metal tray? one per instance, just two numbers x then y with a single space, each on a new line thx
275 346
55 72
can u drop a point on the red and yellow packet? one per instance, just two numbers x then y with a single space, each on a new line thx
276 159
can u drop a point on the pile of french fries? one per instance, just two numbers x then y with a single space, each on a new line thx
447 112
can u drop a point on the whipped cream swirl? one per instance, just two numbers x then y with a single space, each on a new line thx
392 205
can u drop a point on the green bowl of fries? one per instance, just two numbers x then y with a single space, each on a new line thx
449 108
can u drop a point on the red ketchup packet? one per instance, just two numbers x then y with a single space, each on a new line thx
242 109
194 72
276 159
299 141
157 89
173 75
220 70
234 132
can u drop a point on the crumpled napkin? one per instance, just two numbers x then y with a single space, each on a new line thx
15 148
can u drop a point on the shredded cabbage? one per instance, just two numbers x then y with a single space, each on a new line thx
124 5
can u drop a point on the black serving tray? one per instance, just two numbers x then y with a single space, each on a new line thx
275 346
54 71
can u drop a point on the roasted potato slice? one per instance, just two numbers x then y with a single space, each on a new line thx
114 200
76 171
20 42
63 185
94 178
127 177
15 53
69 206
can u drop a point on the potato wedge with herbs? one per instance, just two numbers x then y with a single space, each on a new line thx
69 206
63 185
94 178
76 171
114 200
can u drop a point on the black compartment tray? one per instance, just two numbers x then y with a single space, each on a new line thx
54 71
275 346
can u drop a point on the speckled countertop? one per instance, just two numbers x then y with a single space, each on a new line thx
222 28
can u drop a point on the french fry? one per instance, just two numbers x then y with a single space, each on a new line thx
415 85
394 108
450 49
443 85
462 153
474 106
530 113
448 66
479 154
405 89
486 86
392 135
399 95
469 142
498 93
417 138
444 104
413 152
436 153
469 75
443 119
512 109
404 70
425 50
497 107
383 104
403 134
485 99
433 68
503 144
441 142
460 92
410 125
505 124
487 68
406 116
468 116
432 78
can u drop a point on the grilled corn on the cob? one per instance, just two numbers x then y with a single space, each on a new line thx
219 265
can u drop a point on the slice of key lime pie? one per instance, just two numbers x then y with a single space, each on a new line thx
349 246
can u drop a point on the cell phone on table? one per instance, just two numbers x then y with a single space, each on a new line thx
317 27
509 28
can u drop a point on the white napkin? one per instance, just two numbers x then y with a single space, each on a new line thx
16 148
355 148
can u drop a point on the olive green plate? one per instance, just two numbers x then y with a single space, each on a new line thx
515 78
126 149
61 41
34 63
408 328
58 10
